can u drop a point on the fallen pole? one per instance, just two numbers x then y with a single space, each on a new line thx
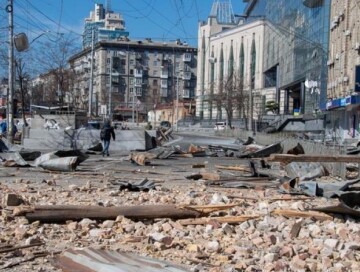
286 158
63 213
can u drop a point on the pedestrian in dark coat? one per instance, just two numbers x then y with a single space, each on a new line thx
106 133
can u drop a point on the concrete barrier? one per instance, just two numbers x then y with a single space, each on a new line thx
125 140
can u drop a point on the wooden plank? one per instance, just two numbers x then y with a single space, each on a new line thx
227 219
286 158
211 208
304 214
234 168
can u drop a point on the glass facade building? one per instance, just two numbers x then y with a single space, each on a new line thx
295 50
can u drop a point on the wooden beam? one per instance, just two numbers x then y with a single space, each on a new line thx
63 213
227 219
234 168
303 214
286 158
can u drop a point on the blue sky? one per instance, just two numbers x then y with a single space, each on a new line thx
156 19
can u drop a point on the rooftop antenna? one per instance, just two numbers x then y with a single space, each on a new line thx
223 11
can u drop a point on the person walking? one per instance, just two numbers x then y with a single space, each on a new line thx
105 135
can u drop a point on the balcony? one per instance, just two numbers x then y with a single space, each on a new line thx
138 82
138 56
138 73
186 76
187 57
164 74
164 92
138 91
164 83
186 93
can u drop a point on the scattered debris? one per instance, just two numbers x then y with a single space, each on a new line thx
60 164
143 185
297 150
142 158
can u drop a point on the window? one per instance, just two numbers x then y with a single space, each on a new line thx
131 90
138 80
131 80
138 91
155 82
108 60
131 71
155 63
131 62
155 72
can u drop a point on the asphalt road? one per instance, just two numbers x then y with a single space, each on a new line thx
119 167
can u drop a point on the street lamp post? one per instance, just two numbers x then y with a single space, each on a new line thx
10 96
110 91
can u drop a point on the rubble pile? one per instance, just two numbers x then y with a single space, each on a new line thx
202 225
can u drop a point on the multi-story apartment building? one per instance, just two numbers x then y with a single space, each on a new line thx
134 74
103 24
343 85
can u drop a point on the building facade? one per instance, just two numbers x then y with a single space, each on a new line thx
130 76
295 51
342 105
103 24
230 52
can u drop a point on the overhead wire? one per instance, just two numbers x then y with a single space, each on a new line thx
180 17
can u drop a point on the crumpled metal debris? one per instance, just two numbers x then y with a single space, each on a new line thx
305 170
144 185
349 204
312 188
14 160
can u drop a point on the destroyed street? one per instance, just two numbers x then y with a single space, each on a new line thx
192 204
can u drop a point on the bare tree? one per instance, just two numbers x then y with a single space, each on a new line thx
231 97
23 91
54 60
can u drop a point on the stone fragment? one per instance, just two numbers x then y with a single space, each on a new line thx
270 257
72 226
213 246
13 200
87 223
193 248
32 240
331 243
108 224
297 264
